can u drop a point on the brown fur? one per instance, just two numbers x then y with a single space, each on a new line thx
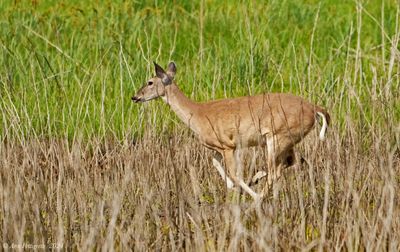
277 120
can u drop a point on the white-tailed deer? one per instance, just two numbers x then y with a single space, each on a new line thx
275 120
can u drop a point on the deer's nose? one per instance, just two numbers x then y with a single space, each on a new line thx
135 99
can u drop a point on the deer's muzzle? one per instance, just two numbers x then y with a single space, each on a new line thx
136 99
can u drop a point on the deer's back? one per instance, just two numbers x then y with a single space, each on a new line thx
246 119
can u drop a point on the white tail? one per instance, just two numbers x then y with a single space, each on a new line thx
276 120
324 126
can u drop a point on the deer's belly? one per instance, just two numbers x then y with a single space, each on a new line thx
251 139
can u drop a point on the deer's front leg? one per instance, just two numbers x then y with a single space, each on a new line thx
276 163
217 164
230 164
274 166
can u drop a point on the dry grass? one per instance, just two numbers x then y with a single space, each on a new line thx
165 195
82 168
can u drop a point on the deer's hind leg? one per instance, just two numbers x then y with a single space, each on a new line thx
287 160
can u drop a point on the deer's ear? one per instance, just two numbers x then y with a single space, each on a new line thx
171 71
160 73
159 70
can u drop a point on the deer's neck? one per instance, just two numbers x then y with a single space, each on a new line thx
184 108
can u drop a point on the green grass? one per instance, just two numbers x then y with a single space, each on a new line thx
70 67
83 167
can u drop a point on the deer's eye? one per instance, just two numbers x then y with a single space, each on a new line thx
150 83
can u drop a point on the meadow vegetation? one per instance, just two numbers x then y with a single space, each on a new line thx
84 168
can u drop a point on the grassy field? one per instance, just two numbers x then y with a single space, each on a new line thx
82 167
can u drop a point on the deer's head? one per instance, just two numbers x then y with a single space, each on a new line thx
155 87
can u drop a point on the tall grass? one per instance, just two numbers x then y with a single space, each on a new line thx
82 167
